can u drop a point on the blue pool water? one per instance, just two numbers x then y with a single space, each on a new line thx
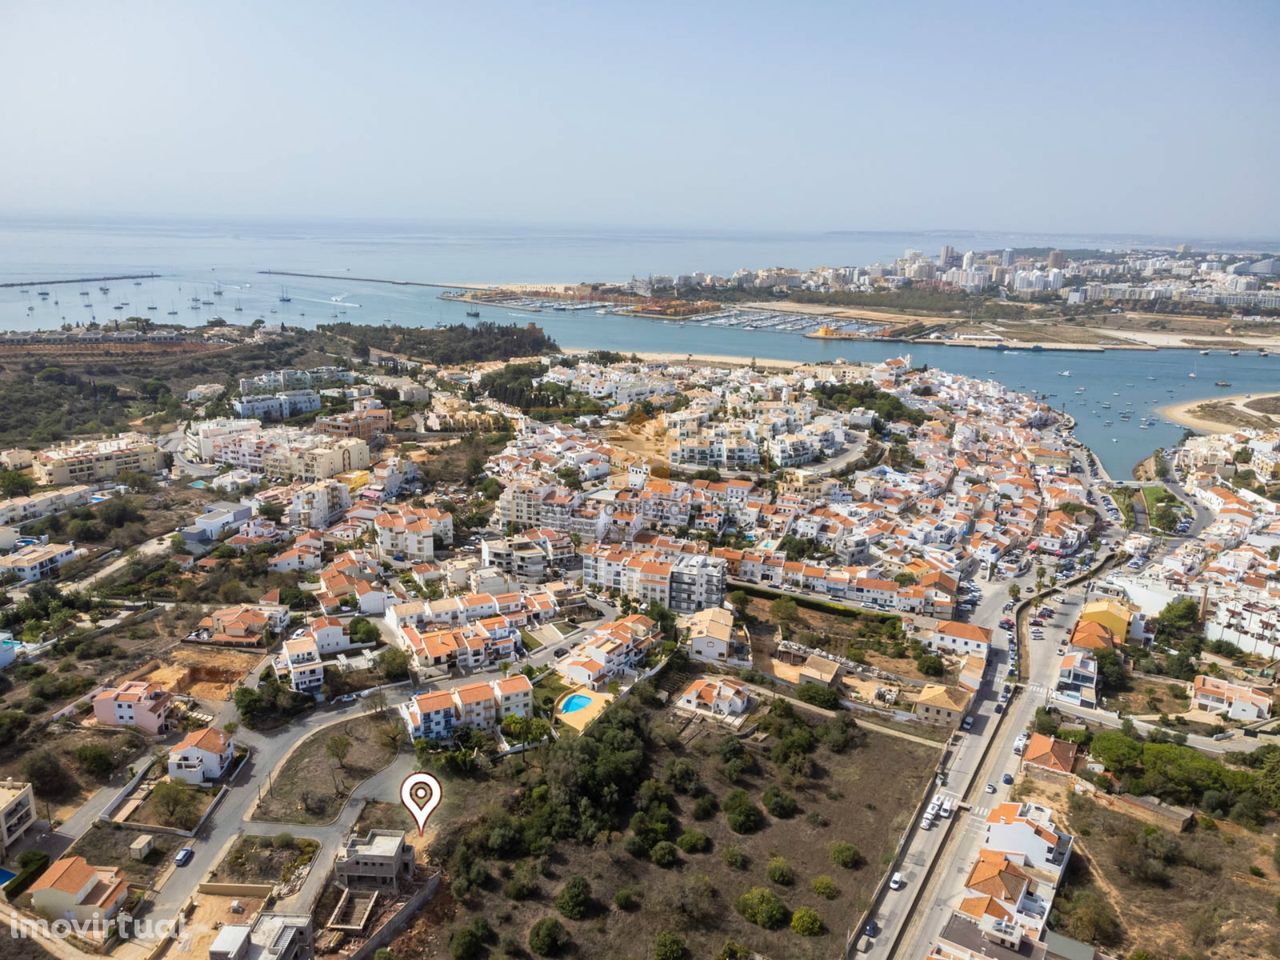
6 876
574 703
198 484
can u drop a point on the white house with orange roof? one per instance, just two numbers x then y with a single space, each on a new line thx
717 696
962 639
439 714
137 704
74 889
1028 830
408 534
610 651
201 755
999 888
1235 701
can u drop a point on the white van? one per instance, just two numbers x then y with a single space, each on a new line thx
946 807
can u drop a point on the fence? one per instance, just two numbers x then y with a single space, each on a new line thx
384 934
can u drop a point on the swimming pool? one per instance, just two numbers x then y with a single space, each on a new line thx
6 876
574 702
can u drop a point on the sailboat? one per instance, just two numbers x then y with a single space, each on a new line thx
239 308
284 296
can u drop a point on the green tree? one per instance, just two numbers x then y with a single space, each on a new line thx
49 779
337 747
394 664
15 484
548 937
574 899
740 601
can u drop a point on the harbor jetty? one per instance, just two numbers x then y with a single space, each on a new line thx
49 283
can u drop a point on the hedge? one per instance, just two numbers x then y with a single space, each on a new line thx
25 878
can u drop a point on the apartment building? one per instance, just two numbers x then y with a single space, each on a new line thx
91 461
279 406
367 420
480 706
318 504
202 437
610 651
408 534
17 811
19 510
684 583
37 561
315 458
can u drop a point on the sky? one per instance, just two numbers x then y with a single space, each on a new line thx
1130 117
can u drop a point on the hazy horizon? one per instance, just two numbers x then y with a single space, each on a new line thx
1141 119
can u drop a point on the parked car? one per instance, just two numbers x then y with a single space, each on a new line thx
1007 779
183 856
897 882
991 788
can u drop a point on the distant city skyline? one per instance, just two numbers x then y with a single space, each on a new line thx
1135 119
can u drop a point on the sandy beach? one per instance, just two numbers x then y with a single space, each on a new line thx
1184 414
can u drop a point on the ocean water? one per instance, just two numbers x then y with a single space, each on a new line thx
195 258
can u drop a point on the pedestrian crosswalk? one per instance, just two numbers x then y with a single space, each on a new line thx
1034 687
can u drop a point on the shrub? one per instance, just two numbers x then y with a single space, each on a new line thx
735 857
682 776
780 872
818 696
705 807
741 813
732 950
548 937
96 760
762 906
806 922
283 841
636 846
668 946
665 854
574 899
465 944
694 841
846 855
521 885
779 804
627 898
825 887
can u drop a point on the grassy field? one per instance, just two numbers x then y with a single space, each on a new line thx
313 786
264 859
861 797
1152 697
105 845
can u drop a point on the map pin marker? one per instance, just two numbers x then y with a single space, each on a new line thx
420 794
